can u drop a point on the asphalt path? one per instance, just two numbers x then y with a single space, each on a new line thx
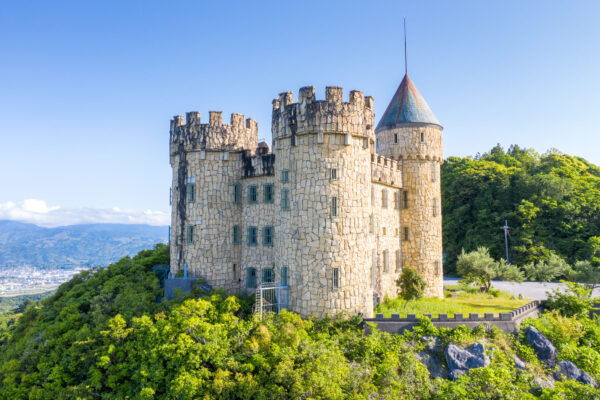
532 290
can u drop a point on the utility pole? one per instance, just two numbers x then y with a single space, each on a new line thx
505 228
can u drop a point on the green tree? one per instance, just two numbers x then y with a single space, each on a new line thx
479 267
547 271
411 285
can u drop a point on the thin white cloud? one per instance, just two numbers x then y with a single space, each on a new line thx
37 212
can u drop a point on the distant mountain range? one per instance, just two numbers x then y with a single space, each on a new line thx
74 245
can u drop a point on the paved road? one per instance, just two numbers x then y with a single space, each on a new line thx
532 290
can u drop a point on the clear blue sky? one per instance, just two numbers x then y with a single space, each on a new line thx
87 88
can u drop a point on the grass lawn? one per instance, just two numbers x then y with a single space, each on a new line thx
468 301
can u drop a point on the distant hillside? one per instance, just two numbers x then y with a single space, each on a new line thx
89 244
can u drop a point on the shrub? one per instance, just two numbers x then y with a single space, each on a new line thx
575 302
410 285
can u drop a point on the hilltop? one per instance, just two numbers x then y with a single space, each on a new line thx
102 335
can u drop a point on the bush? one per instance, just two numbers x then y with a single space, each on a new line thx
575 302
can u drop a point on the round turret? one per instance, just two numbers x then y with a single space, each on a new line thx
409 132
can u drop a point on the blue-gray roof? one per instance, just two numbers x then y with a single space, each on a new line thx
406 106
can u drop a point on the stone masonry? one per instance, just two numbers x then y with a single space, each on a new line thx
321 213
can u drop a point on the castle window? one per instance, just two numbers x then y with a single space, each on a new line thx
384 231
333 174
395 138
268 193
268 236
237 193
236 234
334 206
434 172
285 200
251 239
267 275
406 234
397 200
252 194
251 277
405 199
189 234
335 278
422 137
285 176
384 199
398 261
284 276
386 261
190 192
434 207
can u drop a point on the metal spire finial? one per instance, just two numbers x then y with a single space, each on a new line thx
405 57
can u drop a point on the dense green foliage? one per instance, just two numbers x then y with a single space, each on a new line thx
551 201
411 285
102 335
12 302
478 267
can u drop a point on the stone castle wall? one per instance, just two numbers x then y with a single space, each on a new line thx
419 148
362 241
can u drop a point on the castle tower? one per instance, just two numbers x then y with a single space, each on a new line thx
324 149
206 159
409 132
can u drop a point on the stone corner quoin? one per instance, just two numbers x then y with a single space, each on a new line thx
333 211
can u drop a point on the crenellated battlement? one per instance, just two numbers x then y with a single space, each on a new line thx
192 134
332 115
386 171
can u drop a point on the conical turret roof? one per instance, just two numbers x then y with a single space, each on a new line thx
407 106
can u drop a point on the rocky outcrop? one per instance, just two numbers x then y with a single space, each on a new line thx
460 361
546 352
568 370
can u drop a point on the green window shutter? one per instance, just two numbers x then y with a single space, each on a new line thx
236 234
190 192
267 275
285 176
268 193
189 234
237 193
285 201
284 276
252 194
251 277
268 236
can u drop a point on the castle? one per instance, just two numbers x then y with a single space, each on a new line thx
331 213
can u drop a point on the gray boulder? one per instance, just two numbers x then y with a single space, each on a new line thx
433 365
456 373
568 370
459 359
546 352
432 343
519 364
